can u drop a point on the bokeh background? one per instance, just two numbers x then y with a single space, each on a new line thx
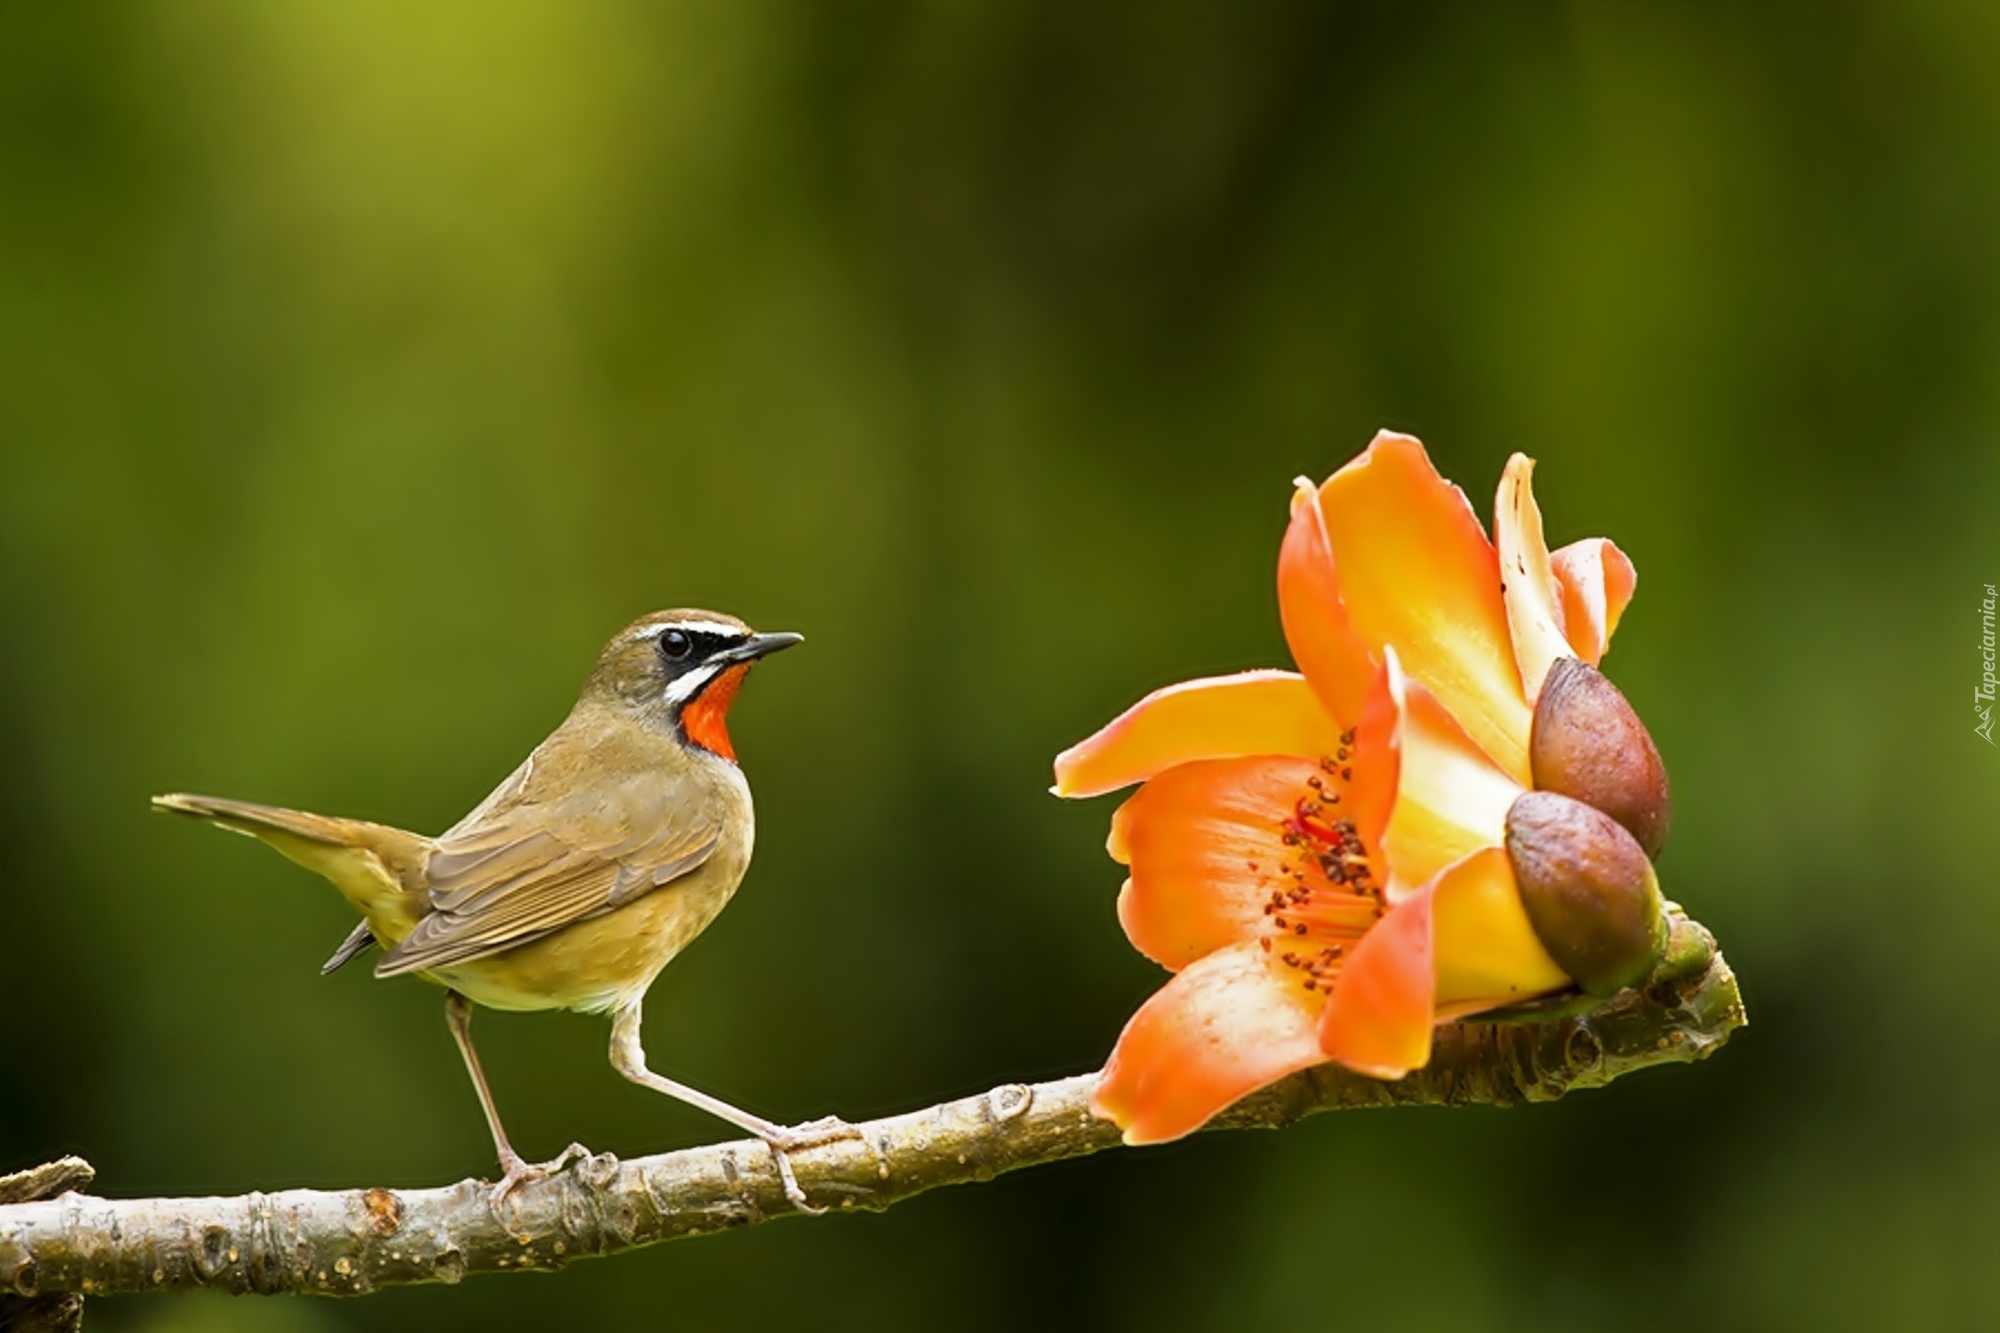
363 366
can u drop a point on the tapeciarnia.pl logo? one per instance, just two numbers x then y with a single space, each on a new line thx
1982 693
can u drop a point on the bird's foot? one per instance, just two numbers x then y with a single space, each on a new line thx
826 1129
785 1139
518 1171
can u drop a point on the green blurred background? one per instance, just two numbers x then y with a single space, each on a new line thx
363 366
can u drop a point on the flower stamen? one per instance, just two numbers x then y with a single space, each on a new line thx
1328 893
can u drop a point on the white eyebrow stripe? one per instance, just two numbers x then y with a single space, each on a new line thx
683 688
696 627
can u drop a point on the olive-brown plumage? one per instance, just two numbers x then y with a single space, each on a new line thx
611 847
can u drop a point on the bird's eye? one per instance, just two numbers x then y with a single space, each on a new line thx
675 645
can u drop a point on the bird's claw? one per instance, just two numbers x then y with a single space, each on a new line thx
826 1129
518 1172
786 1139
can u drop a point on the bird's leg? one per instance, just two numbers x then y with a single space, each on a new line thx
518 1171
628 1057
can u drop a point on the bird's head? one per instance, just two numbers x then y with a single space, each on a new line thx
682 668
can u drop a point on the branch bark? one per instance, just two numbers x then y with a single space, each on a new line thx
353 1242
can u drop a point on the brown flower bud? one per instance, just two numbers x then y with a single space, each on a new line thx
1589 890
1590 745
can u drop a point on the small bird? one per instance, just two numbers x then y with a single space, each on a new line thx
610 848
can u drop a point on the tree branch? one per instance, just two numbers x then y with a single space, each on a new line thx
356 1241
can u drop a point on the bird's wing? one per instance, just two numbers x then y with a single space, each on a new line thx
528 869
358 941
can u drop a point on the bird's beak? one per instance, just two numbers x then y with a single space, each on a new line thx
761 645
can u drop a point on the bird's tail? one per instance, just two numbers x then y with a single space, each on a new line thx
268 822
379 869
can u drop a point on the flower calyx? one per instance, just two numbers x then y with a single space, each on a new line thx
1589 744
1588 889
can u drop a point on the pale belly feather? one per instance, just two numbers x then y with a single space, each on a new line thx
600 964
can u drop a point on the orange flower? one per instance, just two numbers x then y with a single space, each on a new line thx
1322 859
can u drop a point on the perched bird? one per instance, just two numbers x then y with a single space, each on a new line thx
610 848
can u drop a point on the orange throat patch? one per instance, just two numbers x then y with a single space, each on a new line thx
703 717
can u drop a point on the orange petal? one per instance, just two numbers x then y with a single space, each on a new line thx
1221 1029
1451 800
1121 819
1528 586
1369 796
1206 845
1488 954
1417 572
1597 581
1335 659
1378 1020
1223 717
